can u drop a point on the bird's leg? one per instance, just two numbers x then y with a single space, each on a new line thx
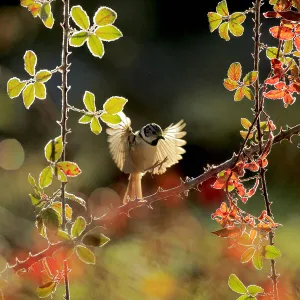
157 164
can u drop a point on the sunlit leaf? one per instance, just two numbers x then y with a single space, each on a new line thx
235 21
95 239
54 149
222 8
71 169
64 236
236 285
248 93
89 101
257 260
114 105
28 95
85 254
95 46
30 61
282 32
271 53
297 44
26 3
85 119
111 119
14 87
223 31
288 47
245 133
31 180
57 206
239 94
76 199
51 219
271 252
43 75
40 90
228 232
46 177
245 297
80 17
46 15
247 255
274 94
235 71
35 200
95 126
105 16
41 227
78 38
250 78
61 176
245 123
46 289
108 33
214 20
253 290
230 85
78 227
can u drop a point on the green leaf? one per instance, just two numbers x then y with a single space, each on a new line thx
95 240
108 33
54 149
95 46
248 93
271 53
47 16
271 252
71 169
236 285
14 87
253 290
76 199
80 17
257 260
222 8
40 90
57 206
247 255
35 200
114 105
78 38
46 177
223 31
64 236
28 95
30 61
105 16
235 21
31 180
61 176
246 297
95 126
43 76
214 20
89 101
85 119
111 119
85 254
288 46
46 289
250 78
78 227
51 219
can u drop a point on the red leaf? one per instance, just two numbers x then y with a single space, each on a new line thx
288 99
276 65
272 80
297 42
280 85
268 146
228 232
263 215
252 191
274 94
282 32
289 15
297 29
240 189
271 14
253 166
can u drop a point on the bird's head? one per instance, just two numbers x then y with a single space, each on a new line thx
152 133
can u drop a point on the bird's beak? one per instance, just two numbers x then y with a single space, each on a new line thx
161 137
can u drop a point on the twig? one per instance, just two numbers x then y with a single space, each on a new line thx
63 123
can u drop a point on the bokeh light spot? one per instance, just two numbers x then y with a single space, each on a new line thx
11 154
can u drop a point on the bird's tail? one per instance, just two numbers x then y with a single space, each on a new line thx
134 188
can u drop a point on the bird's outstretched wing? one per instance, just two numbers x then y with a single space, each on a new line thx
118 139
170 149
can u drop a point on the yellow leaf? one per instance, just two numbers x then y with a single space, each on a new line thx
15 87
78 38
108 33
30 61
28 95
80 17
235 71
40 90
245 123
239 94
223 31
105 16
214 20
222 8
95 46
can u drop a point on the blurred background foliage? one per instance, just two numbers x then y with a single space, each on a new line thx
169 67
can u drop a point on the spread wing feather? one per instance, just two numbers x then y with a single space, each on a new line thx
170 149
118 139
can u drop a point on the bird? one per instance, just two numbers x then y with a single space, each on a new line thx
149 149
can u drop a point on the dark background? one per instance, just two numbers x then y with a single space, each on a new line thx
169 66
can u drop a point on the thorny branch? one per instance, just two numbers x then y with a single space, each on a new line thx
189 184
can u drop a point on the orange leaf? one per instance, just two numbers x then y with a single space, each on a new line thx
71 169
235 71
288 99
230 85
297 42
282 33
239 94
228 232
274 94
